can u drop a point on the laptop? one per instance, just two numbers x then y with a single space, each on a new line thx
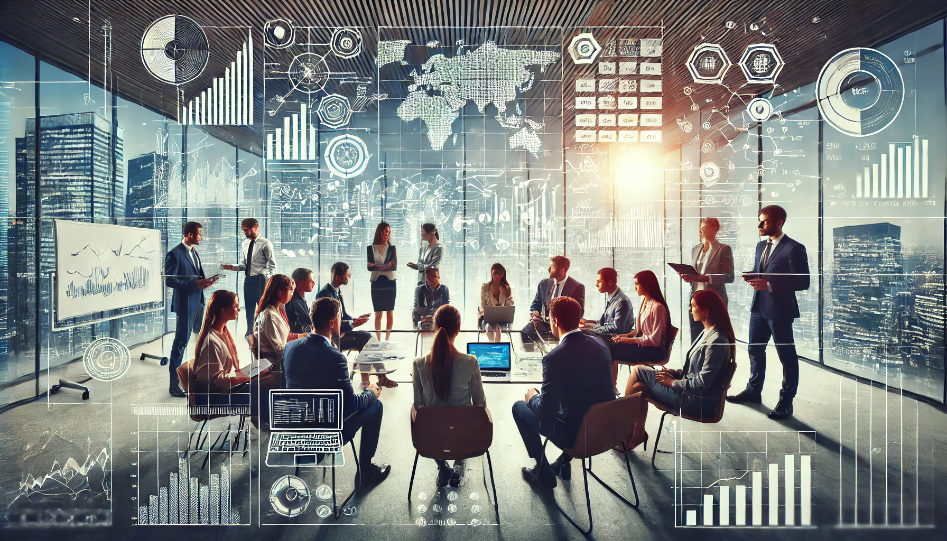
498 314
305 427
494 359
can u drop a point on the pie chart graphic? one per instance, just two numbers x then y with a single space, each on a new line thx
174 49
860 91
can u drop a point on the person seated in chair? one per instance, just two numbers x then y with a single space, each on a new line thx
428 297
447 377
646 344
314 363
559 284
216 355
619 315
711 352
496 292
271 328
575 377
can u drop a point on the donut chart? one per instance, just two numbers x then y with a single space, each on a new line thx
860 91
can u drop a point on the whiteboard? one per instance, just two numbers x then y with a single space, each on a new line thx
102 267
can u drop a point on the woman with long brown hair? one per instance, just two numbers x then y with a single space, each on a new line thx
712 351
271 327
647 342
382 262
496 292
216 354
447 377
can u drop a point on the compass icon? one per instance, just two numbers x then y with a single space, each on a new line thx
346 156
309 73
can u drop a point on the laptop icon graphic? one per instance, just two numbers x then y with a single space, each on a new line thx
305 428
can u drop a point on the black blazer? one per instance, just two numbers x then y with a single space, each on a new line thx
181 276
576 374
311 363
788 272
329 291
390 255
297 311
571 288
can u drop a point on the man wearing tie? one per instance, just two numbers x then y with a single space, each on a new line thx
559 284
619 315
257 263
184 274
781 268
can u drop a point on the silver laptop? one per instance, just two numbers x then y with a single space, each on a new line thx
498 314
494 359
305 428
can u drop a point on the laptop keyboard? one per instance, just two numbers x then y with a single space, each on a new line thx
309 442
494 374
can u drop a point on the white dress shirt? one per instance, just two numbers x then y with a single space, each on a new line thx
262 261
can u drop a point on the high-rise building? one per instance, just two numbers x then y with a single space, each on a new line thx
871 313
6 110
78 181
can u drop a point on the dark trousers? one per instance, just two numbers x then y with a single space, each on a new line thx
635 354
252 293
526 415
354 340
761 329
187 323
369 421
536 333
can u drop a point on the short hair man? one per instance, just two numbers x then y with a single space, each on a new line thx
349 338
429 296
258 263
576 375
313 363
619 315
297 310
559 284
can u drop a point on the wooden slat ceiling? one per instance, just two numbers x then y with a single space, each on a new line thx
806 32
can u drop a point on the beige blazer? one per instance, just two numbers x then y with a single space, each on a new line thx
486 296
272 332
466 384
215 363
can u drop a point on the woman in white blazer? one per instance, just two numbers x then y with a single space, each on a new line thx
496 292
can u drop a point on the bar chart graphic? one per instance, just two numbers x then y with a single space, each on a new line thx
901 173
188 501
744 479
297 140
229 101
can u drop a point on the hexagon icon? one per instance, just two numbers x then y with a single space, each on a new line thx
761 63
584 49
334 111
708 64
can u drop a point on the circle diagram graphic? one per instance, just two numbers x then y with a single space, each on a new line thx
308 73
709 173
279 33
346 156
584 49
174 49
334 111
106 359
759 109
346 42
860 91
290 496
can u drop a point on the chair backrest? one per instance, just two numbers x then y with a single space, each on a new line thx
606 425
713 415
452 433
671 337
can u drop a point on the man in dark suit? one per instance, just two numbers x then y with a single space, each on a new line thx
350 338
184 274
297 309
781 268
559 284
576 374
619 315
313 363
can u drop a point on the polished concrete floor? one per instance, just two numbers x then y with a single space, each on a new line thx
876 463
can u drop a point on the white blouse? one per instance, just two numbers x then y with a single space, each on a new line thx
380 260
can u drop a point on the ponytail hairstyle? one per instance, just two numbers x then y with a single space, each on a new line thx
431 228
219 301
441 361
708 299
270 297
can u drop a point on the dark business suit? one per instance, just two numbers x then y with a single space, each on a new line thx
187 301
312 363
618 318
351 339
576 375
772 313
297 311
544 293
719 269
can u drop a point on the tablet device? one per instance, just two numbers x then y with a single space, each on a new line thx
683 268
258 367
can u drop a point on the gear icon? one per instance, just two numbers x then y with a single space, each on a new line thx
761 63
584 49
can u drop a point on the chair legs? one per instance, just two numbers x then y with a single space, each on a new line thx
657 440
413 470
588 499
496 503
337 510
631 477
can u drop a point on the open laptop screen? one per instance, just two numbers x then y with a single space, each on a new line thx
491 355
305 410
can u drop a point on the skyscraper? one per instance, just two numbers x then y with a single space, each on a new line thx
6 109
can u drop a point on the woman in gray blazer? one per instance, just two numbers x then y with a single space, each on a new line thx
714 263
710 353
447 377
430 253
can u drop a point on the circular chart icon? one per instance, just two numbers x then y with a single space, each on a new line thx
289 496
860 91
174 49
308 73
346 42
759 109
346 156
709 173
324 492
106 359
279 33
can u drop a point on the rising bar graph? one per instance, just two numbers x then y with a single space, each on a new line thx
903 173
229 99
186 501
296 140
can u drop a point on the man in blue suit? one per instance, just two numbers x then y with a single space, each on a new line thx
314 363
576 375
559 284
781 268
184 274
619 315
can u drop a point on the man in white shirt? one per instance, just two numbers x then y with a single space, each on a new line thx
257 263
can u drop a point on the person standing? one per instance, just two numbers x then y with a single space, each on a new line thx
382 262
781 267
496 292
714 263
257 263
430 253
559 284
184 274
619 315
